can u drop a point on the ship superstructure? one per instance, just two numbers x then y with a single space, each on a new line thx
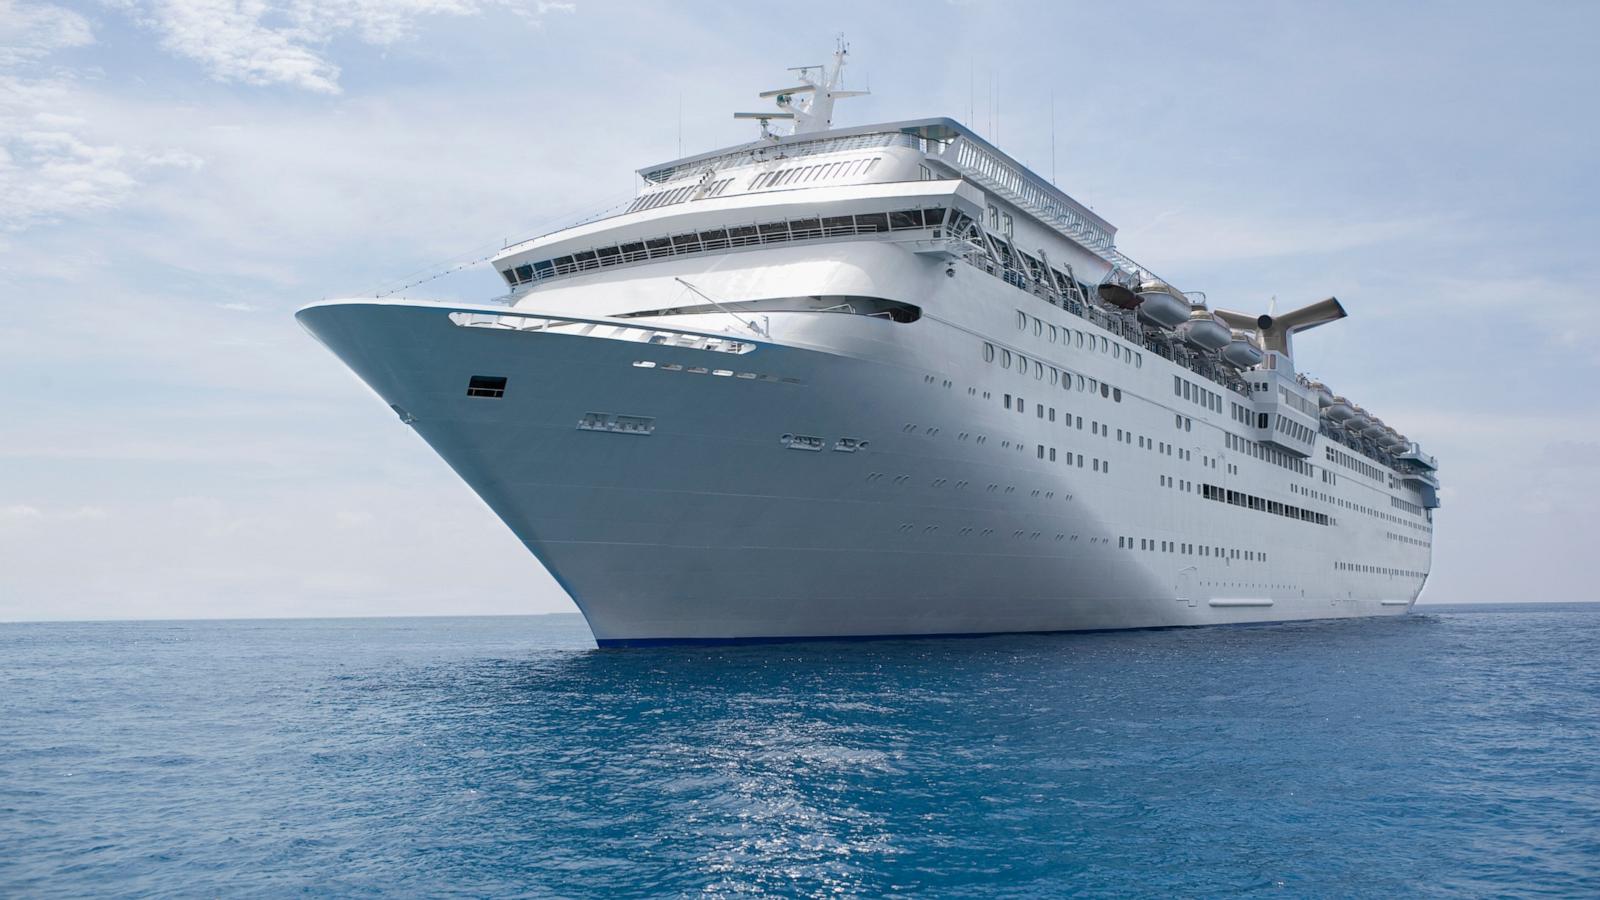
884 380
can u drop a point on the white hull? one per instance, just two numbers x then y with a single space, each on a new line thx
712 528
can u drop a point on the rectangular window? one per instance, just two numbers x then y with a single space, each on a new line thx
905 220
872 222
492 386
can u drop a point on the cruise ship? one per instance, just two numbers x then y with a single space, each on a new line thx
883 380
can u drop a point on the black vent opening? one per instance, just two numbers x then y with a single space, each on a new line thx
486 386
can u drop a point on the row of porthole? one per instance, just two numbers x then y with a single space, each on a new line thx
991 488
1377 570
1154 545
1066 379
1407 540
1347 504
703 370
1072 337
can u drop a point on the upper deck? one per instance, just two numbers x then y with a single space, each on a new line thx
788 170
935 186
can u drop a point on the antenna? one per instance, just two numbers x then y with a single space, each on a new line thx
808 104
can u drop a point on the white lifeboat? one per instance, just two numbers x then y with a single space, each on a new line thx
1358 419
1394 441
1324 395
1374 429
1339 410
1242 351
1203 330
1118 296
1162 305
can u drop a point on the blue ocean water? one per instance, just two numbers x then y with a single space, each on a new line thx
1454 752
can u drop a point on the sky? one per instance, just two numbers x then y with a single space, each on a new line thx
177 177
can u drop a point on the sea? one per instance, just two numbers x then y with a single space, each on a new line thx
1454 752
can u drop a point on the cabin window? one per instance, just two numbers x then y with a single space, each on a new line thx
491 386
872 222
903 220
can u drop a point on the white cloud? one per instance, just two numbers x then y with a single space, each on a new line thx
52 167
258 42
30 32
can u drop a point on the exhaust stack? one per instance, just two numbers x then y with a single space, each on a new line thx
1276 331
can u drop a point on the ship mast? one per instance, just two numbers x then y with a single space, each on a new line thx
809 104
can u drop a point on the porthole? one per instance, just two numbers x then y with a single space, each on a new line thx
988 352
1052 334
1038 328
1005 359
1038 370
1080 383
1022 321
1080 337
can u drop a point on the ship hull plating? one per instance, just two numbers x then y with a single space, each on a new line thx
685 495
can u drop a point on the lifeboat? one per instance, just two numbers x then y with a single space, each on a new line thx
1160 304
1394 441
1374 429
1203 330
1357 420
1324 396
1339 410
1118 296
1242 351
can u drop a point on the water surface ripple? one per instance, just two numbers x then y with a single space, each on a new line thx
1454 752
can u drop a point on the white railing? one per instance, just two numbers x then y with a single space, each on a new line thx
596 328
